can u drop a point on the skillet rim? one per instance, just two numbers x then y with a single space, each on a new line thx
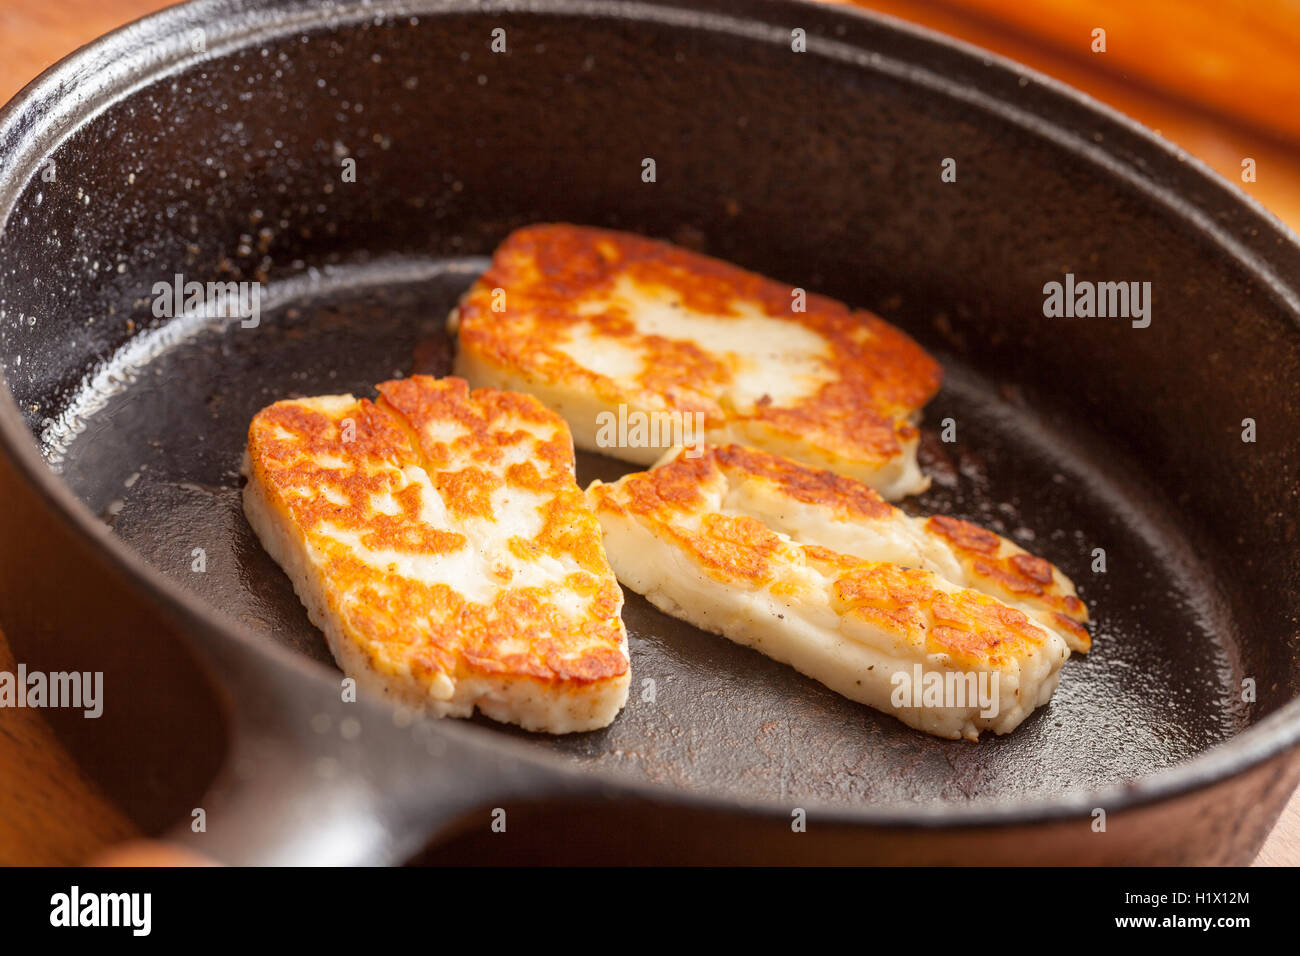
156 42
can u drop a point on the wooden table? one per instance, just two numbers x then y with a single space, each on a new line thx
1220 85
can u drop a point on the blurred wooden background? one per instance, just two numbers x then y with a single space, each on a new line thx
1219 79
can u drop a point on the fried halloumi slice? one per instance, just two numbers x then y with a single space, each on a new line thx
817 571
617 332
821 508
437 536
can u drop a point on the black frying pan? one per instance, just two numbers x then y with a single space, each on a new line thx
819 168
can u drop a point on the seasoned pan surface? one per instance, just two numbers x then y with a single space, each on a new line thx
158 457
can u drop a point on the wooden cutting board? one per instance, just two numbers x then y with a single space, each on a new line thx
1217 85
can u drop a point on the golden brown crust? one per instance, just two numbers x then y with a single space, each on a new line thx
328 469
972 629
994 564
293 447
732 548
994 561
682 499
809 485
558 275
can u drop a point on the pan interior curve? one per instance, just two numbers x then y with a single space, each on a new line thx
154 447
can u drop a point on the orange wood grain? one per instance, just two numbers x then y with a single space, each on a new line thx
1241 60
1283 845
1218 79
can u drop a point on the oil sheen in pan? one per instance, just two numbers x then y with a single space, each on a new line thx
157 451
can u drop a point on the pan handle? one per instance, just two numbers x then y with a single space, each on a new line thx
317 779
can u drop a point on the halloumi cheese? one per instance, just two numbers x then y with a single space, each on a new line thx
816 570
618 333
438 538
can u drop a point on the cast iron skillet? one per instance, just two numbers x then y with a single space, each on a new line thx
144 156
